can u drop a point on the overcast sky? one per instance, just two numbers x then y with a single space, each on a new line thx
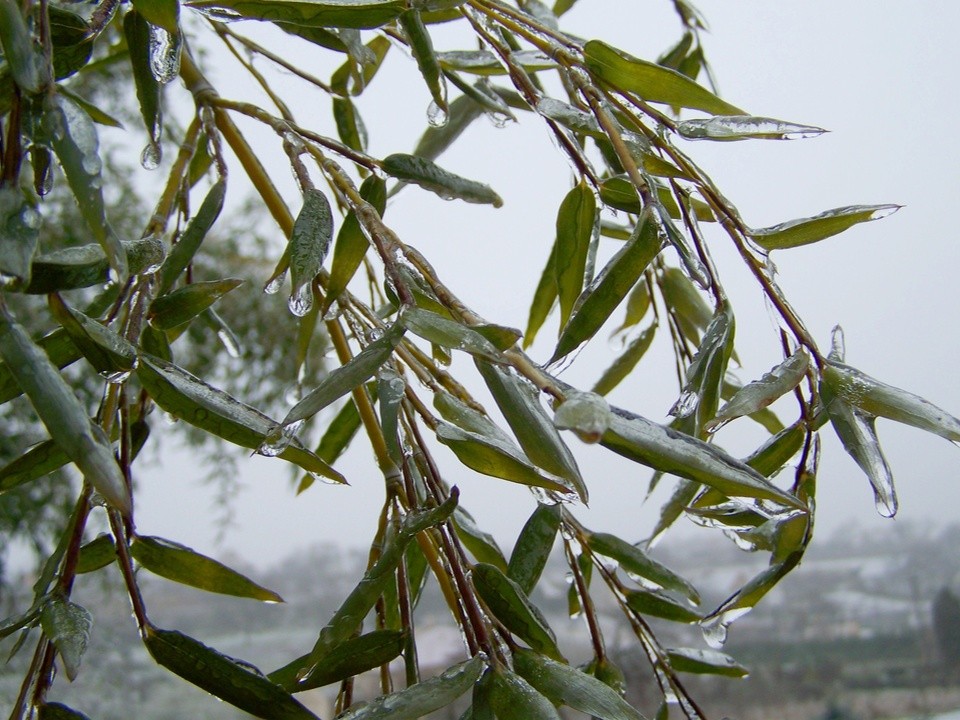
880 78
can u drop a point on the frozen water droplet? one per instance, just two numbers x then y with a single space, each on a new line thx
279 439
300 301
437 116
229 342
715 627
498 119
588 414
685 404
323 479
164 55
333 312
374 334
115 378
170 418
150 157
838 350
113 276
273 285
883 211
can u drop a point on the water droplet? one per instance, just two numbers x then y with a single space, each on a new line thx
273 285
150 157
498 119
838 350
170 418
333 312
230 343
300 301
115 378
374 334
437 116
883 211
279 439
715 627
323 479
685 404
164 54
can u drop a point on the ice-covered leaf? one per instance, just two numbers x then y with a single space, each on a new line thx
652 82
745 127
576 228
84 266
67 625
18 49
484 62
432 177
705 662
700 397
760 393
566 685
107 351
96 554
481 544
422 48
309 243
625 362
513 698
661 605
544 298
533 547
19 232
353 657
804 231
136 30
436 139
164 13
307 13
187 245
447 333
184 304
586 413
188 567
636 562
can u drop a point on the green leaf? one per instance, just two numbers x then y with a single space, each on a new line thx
533 547
67 625
636 562
422 698
307 13
74 139
87 265
611 286
669 451
576 225
495 456
686 302
59 711
481 544
188 567
513 698
353 657
211 409
228 679
370 61
136 30
511 606
447 333
626 362
182 305
777 451
108 352
760 393
350 127
744 127
813 229
391 389
64 417
309 243
96 554
183 252
17 44
422 48
163 13
569 686
347 377
709 662
519 401
652 82
19 232
351 243
432 177
543 300
461 113
657 604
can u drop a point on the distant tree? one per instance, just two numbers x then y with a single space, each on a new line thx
102 332
946 627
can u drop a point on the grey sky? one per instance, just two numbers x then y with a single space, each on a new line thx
882 79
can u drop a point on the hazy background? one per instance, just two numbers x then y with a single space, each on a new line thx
882 79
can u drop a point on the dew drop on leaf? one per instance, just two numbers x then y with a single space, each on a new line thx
150 157
300 301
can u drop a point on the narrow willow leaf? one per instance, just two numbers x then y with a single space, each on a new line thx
586 413
136 30
210 409
352 243
481 544
480 707
64 417
745 127
620 194
341 429
502 337
432 177
422 48
569 686
544 298
183 252
635 561
658 604
511 606
87 265
19 232
345 378
17 44
778 450
813 229
611 286
308 13
700 398
188 567
486 96
107 351
513 698
686 302
873 397
456 411
226 678
370 63
163 13
576 223
59 711
96 554
309 243
350 126
683 495
652 82
484 62
461 113
496 457
353 657
859 438
638 303
519 401
184 304
626 362
447 333
669 451
760 393
422 698
705 662
390 390
67 625
533 547
74 139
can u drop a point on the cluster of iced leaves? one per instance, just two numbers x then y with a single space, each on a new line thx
615 117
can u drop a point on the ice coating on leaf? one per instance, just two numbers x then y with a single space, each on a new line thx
68 626
164 54
760 393
804 231
698 660
838 349
745 127
587 413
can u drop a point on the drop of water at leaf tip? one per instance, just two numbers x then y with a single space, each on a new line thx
436 115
